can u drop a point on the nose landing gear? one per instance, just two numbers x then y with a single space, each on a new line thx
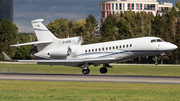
155 59
86 69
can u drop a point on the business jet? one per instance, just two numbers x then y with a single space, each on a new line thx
70 52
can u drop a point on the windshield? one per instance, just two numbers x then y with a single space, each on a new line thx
156 40
160 40
153 41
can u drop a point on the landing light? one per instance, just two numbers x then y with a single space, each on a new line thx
120 57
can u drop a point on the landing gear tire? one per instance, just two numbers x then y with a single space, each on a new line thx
85 71
103 70
156 63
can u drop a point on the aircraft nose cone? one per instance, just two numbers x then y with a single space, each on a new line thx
173 47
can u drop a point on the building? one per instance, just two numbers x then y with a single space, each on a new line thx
118 6
6 9
164 6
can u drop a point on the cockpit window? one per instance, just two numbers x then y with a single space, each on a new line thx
159 40
153 41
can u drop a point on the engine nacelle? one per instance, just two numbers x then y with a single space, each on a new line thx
61 53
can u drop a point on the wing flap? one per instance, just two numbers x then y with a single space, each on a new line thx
32 43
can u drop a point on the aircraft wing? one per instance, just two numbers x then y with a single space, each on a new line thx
71 62
32 43
68 62
90 60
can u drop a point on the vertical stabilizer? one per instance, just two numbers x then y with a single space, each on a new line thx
42 33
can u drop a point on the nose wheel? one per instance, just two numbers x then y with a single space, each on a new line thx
155 59
85 71
103 70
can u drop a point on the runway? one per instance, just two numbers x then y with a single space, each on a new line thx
90 78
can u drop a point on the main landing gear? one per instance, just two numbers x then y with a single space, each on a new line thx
86 69
155 59
103 70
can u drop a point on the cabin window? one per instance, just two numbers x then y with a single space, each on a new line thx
127 46
113 47
99 49
153 41
86 51
120 46
123 46
92 50
102 49
130 45
106 48
109 48
96 50
89 51
116 47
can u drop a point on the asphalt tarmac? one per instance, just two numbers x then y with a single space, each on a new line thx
90 78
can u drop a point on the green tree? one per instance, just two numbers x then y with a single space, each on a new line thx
80 27
23 52
109 29
91 27
30 37
172 23
178 4
177 41
8 36
59 28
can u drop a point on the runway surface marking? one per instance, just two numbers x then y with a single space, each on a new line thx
90 78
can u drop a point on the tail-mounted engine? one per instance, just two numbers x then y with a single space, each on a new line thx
65 49
61 53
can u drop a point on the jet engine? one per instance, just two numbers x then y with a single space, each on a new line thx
61 53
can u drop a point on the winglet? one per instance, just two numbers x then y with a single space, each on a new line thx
7 57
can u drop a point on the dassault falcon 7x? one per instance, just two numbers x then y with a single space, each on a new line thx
70 52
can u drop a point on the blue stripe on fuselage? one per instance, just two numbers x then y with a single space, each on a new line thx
113 53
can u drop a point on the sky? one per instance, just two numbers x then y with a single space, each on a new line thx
49 10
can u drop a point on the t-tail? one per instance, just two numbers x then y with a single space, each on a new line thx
50 47
44 36
42 33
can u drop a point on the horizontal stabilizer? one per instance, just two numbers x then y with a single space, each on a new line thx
32 43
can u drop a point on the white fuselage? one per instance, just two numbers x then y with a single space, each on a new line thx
70 52
120 50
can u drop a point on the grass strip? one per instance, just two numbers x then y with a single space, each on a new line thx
86 91
117 70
